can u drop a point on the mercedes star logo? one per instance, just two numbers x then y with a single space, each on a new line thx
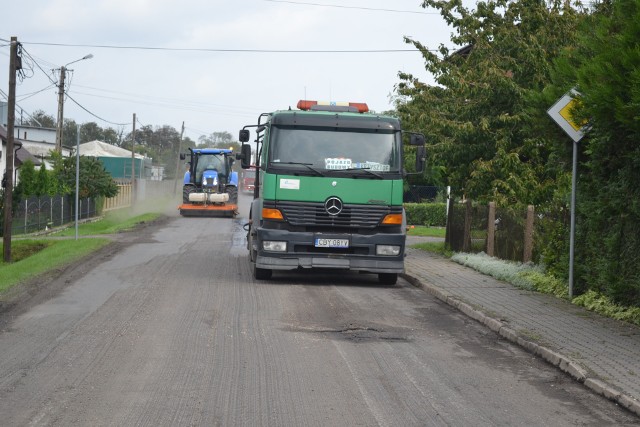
333 206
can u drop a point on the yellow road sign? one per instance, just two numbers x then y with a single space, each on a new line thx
560 112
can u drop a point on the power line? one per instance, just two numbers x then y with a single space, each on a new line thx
54 82
220 50
353 7
93 114
162 101
29 95
173 106
22 110
28 55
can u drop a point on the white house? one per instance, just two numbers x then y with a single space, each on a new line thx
21 154
39 141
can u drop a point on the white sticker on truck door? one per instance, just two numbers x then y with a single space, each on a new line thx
290 184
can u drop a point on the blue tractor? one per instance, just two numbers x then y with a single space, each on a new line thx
210 185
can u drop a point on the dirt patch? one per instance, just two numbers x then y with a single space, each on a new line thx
30 293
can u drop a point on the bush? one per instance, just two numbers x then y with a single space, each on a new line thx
601 304
429 214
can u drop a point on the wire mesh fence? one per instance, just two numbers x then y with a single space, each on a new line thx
39 213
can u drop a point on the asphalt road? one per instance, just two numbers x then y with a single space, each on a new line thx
168 328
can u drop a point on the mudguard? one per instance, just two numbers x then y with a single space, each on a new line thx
233 179
187 177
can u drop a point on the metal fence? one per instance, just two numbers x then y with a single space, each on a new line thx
39 213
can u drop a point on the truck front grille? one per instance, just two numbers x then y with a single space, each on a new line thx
314 214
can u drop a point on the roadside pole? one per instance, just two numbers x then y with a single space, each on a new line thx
175 183
11 118
562 113
77 177
133 163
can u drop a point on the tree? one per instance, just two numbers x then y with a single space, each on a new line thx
43 185
215 140
57 184
94 180
69 133
41 119
113 136
27 183
606 70
91 132
476 115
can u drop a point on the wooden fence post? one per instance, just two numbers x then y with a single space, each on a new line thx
491 229
466 243
448 230
528 235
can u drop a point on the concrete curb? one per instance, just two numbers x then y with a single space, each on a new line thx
558 360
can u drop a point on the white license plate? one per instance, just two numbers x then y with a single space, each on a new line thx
332 243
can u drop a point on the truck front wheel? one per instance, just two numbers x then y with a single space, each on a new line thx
261 273
388 278
258 273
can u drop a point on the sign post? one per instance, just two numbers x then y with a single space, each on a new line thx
561 113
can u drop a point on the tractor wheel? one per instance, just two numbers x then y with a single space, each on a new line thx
233 194
186 190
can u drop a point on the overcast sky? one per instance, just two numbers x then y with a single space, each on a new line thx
173 61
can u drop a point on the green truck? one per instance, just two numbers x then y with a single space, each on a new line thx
329 188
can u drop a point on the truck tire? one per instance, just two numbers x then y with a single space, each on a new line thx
261 273
186 190
388 278
233 194
258 273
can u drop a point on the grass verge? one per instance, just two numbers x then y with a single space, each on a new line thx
53 254
110 224
435 247
421 230
32 257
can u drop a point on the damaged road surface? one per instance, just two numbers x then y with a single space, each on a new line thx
170 329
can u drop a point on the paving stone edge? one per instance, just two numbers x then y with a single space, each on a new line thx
558 360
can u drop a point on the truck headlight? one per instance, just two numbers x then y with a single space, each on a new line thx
388 250
274 246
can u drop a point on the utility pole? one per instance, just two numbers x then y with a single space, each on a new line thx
11 118
175 183
133 162
59 126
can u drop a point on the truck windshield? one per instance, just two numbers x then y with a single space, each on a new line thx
304 149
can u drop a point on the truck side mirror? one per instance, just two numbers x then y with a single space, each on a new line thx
244 135
245 156
416 139
421 158
182 156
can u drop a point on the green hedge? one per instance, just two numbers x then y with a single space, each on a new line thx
429 214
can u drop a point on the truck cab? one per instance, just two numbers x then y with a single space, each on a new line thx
329 190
